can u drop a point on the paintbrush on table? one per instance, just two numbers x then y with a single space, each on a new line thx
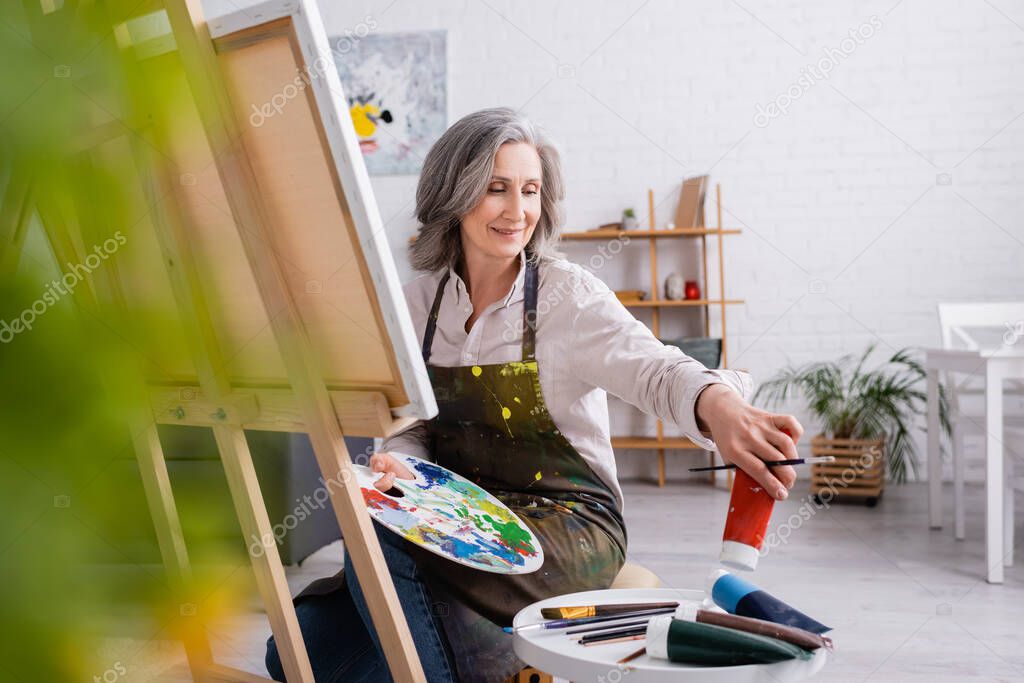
612 635
817 460
598 628
617 630
566 623
609 641
583 611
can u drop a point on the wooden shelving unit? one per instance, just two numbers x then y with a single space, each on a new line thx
660 442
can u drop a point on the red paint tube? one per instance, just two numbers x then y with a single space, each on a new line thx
750 508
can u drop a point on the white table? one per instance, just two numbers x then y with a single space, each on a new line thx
553 653
995 366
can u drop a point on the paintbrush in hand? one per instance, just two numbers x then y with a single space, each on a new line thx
817 460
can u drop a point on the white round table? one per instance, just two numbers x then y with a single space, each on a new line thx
554 653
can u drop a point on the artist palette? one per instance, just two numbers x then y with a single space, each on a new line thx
451 516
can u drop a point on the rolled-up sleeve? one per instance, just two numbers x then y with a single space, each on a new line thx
413 440
616 352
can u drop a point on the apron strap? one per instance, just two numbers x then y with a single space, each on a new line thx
529 315
428 334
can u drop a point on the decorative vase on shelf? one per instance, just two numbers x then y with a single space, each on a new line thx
674 287
691 290
629 221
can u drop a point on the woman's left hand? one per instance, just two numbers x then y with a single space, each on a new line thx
747 436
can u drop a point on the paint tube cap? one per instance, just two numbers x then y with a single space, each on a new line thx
687 611
709 601
713 578
738 555
657 635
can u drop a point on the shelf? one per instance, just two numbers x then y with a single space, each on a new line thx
659 442
665 303
654 442
678 232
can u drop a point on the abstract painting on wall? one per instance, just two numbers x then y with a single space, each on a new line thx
396 87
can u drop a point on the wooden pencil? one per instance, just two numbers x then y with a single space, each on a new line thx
629 658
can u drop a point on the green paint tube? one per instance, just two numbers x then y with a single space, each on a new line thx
696 643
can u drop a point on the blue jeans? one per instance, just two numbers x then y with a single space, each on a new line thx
339 635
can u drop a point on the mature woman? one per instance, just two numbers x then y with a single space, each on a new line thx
521 347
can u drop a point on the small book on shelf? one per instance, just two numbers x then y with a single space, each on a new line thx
690 212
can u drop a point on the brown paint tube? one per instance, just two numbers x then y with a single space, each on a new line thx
790 634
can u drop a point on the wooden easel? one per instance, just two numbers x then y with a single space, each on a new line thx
299 379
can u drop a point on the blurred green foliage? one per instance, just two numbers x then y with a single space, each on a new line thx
82 591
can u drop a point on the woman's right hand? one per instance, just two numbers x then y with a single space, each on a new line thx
748 437
391 467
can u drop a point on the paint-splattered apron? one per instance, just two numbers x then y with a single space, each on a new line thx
494 428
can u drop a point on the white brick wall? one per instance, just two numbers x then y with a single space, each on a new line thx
843 188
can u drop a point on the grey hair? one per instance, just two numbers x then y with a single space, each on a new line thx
455 177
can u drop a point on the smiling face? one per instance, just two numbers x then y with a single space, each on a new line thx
501 224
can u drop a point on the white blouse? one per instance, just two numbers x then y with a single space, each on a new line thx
587 344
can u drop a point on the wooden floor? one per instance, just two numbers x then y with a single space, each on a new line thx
907 604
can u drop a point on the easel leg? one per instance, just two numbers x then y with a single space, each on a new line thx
367 557
163 511
266 563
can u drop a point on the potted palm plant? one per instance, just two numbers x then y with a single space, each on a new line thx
867 419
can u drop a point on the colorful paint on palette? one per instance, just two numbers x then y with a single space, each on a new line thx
453 517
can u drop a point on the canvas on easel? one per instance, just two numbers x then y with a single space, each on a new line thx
263 235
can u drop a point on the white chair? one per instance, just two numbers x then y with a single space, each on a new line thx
976 326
